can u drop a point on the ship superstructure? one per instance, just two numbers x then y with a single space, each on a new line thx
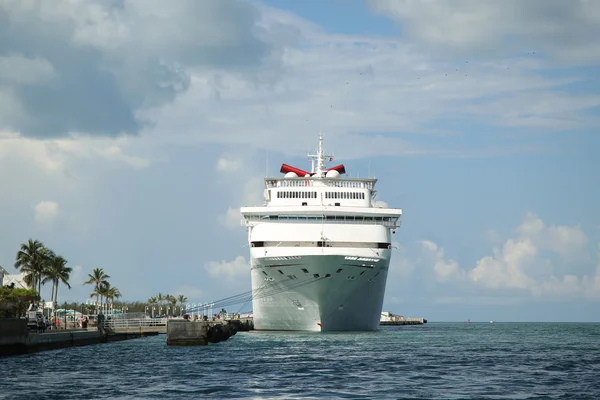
319 250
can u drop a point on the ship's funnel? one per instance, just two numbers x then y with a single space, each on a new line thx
339 168
288 168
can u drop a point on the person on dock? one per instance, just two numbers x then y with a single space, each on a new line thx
41 325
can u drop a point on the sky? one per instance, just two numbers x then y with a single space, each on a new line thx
131 131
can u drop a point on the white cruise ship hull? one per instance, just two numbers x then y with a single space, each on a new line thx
337 290
319 249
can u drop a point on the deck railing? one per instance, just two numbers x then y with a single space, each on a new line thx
356 183
128 323
390 222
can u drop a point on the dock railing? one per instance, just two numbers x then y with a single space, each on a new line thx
136 323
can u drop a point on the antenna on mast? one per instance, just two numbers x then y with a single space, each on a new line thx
319 170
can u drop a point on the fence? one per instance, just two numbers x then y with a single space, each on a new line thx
134 322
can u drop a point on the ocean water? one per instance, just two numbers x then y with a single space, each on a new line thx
432 361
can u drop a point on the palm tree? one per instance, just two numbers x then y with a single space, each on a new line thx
152 300
181 299
32 260
112 293
97 278
173 301
102 292
57 272
160 298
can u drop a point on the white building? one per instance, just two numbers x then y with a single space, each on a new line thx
387 316
17 279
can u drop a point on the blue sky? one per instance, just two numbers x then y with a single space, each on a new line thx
129 142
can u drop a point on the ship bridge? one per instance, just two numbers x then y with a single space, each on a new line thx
307 191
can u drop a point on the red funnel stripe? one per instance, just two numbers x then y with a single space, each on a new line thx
339 168
301 173
288 168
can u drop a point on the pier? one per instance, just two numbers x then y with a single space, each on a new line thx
404 321
16 339
182 332
388 318
142 323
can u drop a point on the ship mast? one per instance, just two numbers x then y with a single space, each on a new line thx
320 170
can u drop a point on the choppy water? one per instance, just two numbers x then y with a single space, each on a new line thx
449 361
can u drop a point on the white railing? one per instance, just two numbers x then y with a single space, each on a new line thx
356 183
127 323
390 222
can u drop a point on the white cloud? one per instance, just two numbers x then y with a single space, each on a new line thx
321 83
444 270
564 30
22 70
329 78
232 218
54 155
45 211
99 62
507 267
564 240
524 262
228 164
228 269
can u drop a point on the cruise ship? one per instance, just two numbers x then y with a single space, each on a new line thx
319 250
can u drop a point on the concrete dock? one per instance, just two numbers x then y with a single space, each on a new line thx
181 332
16 339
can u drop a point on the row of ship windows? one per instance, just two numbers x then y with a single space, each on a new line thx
345 195
313 195
296 195
349 218
322 244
